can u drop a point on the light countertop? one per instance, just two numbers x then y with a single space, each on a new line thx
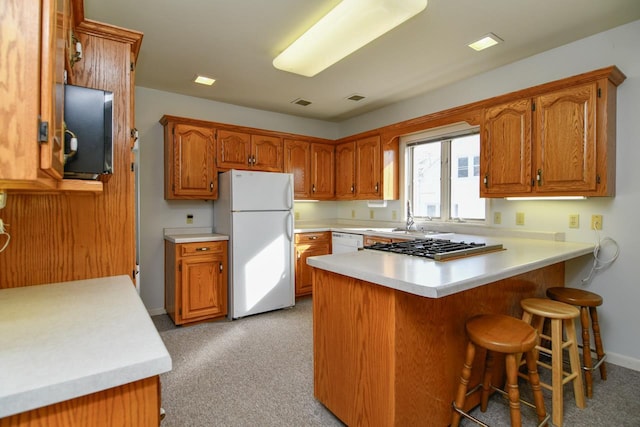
435 279
65 340
192 235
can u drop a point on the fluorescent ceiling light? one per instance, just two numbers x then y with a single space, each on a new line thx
485 42
547 198
345 29
204 80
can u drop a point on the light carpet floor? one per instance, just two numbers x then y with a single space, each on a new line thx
258 371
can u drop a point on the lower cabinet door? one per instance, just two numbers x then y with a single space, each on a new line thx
203 288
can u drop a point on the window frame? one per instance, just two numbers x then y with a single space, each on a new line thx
444 133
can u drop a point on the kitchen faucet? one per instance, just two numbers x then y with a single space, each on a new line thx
409 216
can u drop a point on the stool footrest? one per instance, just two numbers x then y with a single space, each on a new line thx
503 393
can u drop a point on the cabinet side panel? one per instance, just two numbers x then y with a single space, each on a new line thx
70 237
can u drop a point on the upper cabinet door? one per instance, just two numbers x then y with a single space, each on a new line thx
297 161
345 170
565 140
267 153
506 149
323 170
194 171
368 168
233 150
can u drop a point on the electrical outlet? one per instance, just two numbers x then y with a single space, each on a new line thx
189 219
519 218
596 222
394 215
296 215
353 213
497 217
371 214
574 221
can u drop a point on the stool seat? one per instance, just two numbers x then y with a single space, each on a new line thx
504 334
549 308
587 301
575 296
512 337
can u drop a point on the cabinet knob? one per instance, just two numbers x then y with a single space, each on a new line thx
313 188
353 188
377 186
202 249
539 177
486 181
313 237
211 186
220 266
249 160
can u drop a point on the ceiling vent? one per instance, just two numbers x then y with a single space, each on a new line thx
301 101
355 97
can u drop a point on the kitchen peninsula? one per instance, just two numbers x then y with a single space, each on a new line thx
389 329
79 353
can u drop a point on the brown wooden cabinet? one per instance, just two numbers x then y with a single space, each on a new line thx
190 167
359 169
195 281
556 143
31 108
241 150
313 168
309 244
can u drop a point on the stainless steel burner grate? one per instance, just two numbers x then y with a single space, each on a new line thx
436 249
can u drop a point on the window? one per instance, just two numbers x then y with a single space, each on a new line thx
443 176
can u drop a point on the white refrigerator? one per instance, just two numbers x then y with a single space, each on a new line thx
255 209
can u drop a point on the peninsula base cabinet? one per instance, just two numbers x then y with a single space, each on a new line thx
195 281
132 404
307 245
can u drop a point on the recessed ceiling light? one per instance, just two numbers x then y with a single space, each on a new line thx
485 41
204 80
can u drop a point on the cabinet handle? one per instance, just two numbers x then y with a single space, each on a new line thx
249 160
486 181
353 188
211 186
253 160
205 248
313 237
539 177
377 186
220 266
313 188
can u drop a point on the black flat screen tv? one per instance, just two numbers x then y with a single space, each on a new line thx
88 114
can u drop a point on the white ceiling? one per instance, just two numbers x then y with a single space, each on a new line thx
235 41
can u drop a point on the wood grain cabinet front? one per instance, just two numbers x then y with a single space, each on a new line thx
190 168
559 142
31 107
313 167
359 174
247 151
307 245
195 281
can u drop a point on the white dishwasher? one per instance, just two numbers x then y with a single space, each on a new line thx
346 242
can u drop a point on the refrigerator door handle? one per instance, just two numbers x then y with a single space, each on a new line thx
290 192
290 230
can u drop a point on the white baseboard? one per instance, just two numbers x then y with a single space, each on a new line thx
156 311
624 361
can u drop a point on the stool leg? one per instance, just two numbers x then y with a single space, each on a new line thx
586 350
556 371
574 359
486 381
598 341
464 383
512 389
534 379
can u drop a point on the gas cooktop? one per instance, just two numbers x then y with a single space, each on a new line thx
436 249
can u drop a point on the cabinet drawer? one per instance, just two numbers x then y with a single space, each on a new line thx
201 248
314 237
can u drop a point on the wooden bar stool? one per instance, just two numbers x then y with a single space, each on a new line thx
536 311
501 334
587 301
